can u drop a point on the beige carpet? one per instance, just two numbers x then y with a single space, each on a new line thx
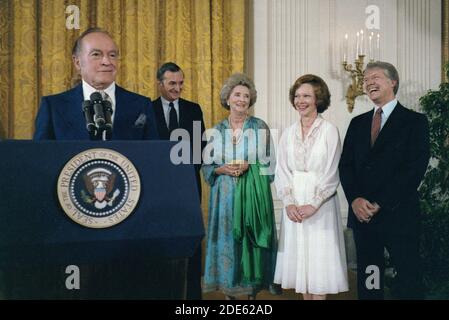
291 295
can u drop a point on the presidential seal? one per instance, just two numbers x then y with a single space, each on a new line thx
98 188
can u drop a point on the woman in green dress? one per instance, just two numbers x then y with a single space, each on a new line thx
239 166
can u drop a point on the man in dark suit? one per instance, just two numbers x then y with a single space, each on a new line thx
172 112
60 116
385 155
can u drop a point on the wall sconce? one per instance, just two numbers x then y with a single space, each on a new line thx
355 89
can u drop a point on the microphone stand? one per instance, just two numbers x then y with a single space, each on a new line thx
89 117
100 122
107 109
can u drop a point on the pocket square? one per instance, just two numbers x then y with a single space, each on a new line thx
141 120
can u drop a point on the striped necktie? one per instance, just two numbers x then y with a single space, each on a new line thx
375 126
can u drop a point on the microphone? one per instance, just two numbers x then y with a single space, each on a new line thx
88 115
97 102
108 117
108 113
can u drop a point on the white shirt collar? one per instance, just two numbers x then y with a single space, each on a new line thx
166 103
165 106
388 108
88 90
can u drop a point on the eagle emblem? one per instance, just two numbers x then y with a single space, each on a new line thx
99 183
95 190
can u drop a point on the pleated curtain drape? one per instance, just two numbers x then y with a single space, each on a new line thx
444 38
205 37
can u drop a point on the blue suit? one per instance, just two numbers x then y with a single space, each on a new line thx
60 117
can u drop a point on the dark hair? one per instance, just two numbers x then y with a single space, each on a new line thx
237 79
168 66
389 71
77 46
322 94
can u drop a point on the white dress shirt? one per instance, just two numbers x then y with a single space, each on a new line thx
166 107
88 90
387 109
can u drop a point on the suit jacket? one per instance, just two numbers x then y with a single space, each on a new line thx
388 173
188 113
60 117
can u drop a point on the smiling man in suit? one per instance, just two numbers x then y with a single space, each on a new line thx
60 117
172 112
385 155
95 56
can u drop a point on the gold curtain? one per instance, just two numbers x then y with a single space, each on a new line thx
444 37
205 37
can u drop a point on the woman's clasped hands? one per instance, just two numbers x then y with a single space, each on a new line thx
300 213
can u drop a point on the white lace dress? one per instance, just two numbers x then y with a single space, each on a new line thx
311 255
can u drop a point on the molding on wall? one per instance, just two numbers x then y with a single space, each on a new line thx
444 37
294 37
418 49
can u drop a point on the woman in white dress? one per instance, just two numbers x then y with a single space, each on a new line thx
311 254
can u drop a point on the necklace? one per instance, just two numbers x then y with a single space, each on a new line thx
236 138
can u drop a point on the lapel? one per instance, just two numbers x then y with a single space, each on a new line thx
120 110
364 133
125 115
390 129
71 113
183 114
160 119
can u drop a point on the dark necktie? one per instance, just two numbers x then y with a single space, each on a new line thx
173 118
375 126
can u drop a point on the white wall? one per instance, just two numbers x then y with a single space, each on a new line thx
292 37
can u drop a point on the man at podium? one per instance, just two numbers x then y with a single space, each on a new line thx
63 117
60 116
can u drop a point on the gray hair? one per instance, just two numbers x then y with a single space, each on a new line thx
389 71
237 79
168 66
77 46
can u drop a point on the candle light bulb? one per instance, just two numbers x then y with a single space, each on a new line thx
346 48
362 49
378 46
